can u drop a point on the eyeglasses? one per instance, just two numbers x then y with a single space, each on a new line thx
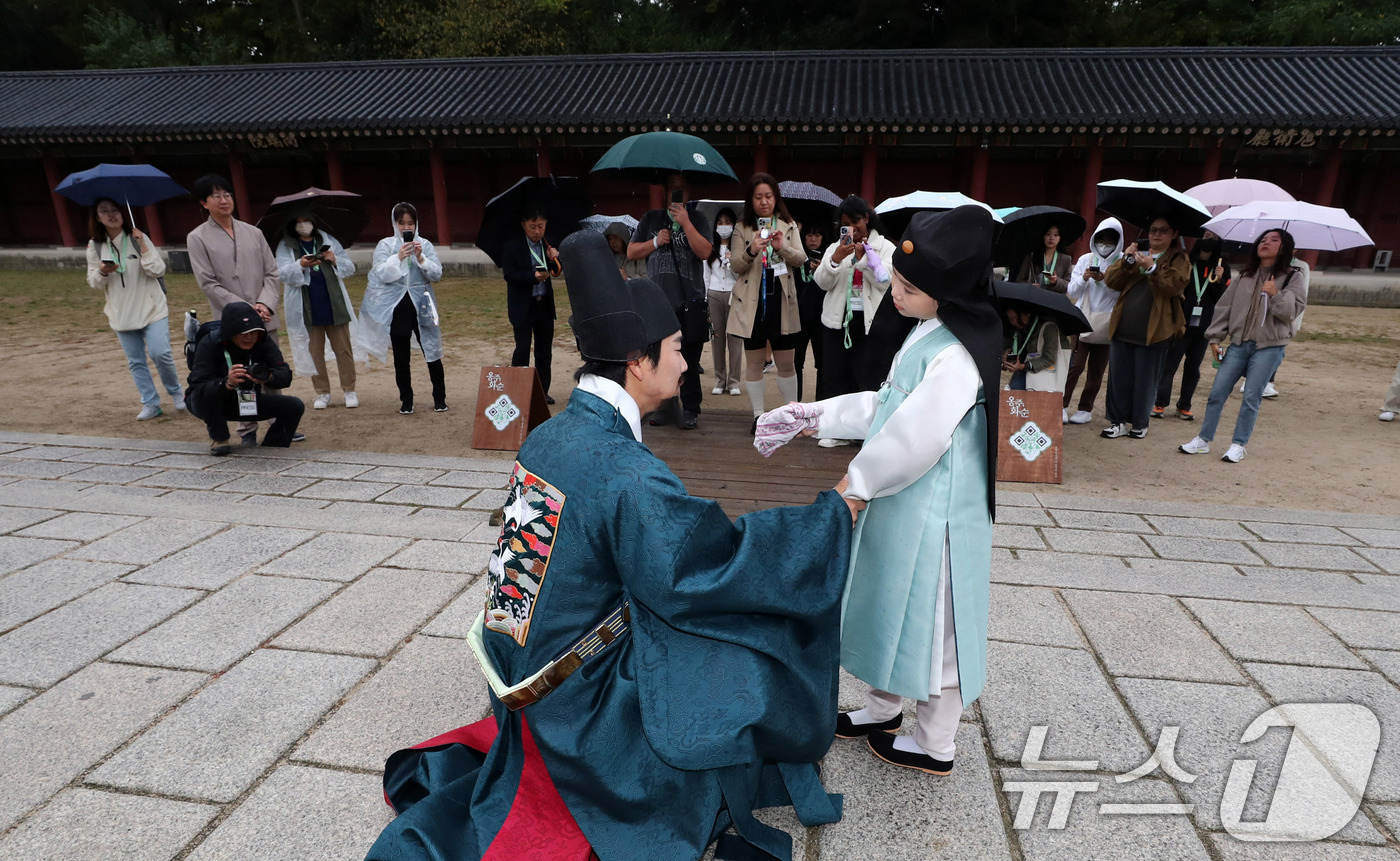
221 195
1158 231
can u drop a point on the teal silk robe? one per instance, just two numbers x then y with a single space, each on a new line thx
720 698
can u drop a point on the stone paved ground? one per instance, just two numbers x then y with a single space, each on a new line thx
210 658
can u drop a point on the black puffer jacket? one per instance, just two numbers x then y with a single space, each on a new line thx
206 383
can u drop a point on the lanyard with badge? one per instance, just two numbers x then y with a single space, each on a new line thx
247 398
1017 344
537 292
1200 287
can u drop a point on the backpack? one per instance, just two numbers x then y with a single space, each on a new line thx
195 332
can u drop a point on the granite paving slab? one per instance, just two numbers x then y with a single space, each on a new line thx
209 499
40 652
38 468
38 589
183 461
146 542
462 478
442 556
217 744
17 553
1090 541
1119 625
248 464
1028 615
265 503
116 491
215 561
12 697
353 490
12 519
400 475
456 618
302 814
390 712
1199 527
1389 815
372 615
1315 556
335 556
1105 521
93 712
1089 835
367 510
1361 628
1387 662
895 813
112 474
1318 685
1017 537
112 456
1384 558
487 500
280 485
215 633
441 497
1023 516
318 469
1273 633
1210 721
49 452
90 825
80 526
1230 849
37 491
1083 716
1202 550
1375 537
1301 533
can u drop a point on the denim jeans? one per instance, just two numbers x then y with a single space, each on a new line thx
155 340
1018 381
1256 365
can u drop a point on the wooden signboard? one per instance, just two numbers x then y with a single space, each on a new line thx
509 404
1030 437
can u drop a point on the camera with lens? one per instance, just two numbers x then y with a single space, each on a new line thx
259 371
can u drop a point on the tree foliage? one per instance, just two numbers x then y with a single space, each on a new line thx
128 33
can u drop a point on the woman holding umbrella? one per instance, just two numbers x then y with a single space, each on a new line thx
399 302
127 267
313 266
1047 266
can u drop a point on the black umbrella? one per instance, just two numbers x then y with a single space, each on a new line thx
1024 231
339 213
811 205
562 199
1057 306
1139 202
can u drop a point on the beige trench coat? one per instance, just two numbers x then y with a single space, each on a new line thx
743 307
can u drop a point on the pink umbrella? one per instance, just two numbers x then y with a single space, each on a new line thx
1317 228
1222 194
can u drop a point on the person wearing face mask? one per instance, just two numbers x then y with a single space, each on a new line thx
1047 266
317 307
727 350
399 302
1086 289
126 266
1210 275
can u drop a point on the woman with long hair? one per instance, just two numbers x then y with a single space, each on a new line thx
765 250
1256 316
1047 266
727 349
128 267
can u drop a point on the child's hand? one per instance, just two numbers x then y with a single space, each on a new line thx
855 505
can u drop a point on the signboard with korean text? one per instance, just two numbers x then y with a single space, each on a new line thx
1030 437
509 404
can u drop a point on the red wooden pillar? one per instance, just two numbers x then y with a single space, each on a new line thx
1326 189
1089 196
1210 171
542 166
977 185
868 160
1364 207
760 157
60 203
333 172
242 203
439 174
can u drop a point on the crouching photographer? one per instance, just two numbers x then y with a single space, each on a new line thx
230 373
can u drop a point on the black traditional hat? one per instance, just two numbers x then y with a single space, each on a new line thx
613 320
948 255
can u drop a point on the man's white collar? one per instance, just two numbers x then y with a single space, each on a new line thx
618 397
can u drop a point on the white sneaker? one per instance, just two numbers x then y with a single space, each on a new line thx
1064 417
1270 391
1235 453
321 402
1114 431
1196 446
179 403
832 443
1082 417
147 413
352 400
1387 416
718 390
734 391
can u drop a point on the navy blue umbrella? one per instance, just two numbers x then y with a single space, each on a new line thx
131 184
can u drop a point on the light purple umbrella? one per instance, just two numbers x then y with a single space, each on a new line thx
1317 228
1222 194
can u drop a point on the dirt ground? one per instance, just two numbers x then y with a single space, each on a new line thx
1317 446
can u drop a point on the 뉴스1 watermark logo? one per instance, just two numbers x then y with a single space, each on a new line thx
1319 790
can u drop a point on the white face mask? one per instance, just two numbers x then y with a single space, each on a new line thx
1104 249
725 231
305 228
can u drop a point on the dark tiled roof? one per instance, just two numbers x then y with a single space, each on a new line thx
1319 88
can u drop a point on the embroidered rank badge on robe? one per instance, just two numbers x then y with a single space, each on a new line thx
518 564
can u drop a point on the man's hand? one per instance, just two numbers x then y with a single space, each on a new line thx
679 214
107 267
328 256
263 311
1094 274
237 374
551 252
663 237
856 506
541 276
1219 272
1269 288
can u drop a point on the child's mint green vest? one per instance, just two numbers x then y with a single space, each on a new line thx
887 627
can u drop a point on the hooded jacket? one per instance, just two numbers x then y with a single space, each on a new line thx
215 355
389 280
1090 295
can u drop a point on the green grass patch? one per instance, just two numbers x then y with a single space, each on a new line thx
1325 337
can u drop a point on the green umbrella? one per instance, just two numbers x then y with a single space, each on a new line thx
653 156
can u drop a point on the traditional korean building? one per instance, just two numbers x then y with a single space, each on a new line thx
1010 128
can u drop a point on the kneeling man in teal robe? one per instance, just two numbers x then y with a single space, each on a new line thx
657 671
